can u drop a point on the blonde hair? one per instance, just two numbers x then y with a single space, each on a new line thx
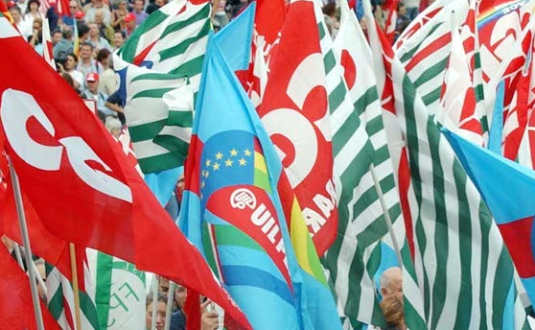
392 308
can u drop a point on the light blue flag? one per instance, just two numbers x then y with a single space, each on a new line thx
235 39
496 127
232 212
162 184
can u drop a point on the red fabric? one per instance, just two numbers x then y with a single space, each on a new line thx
47 246
517 237
16 305
306 102
192 309
62 8
80 182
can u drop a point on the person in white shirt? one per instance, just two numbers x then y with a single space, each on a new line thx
23 26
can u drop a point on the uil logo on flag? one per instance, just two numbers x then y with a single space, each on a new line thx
242 198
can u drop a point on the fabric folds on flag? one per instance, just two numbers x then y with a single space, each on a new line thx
511 204
80 182
232 210
15 298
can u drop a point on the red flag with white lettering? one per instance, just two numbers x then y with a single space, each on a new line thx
79 181
295 113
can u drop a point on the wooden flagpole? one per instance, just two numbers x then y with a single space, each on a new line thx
27 247
75 287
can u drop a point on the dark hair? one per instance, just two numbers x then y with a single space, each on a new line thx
30 2
161 298
134 2
68 78
123 34
329 9
103 54
73 55
82 29
57 31
67 34
86 43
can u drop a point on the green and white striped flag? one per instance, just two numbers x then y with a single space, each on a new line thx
171 43
464 271
119 292
61 301
355 258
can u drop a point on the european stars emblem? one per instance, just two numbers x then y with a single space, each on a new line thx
219 155
234 153
228 162
247 152
242 162
208 162
215 166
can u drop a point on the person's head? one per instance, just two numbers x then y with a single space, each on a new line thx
86 51
119 38
98 3
180 296
103 57
113 125
130 21
93 30
180 187
83 32
159 3
67 34
73 7
391 283
163 286
393 311
16 13
122 5
402 11
57 35
71 62
37 24
33 6
67 77
99 16
138 6
330 9
161 310
91 81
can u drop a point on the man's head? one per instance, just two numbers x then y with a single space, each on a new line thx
138 6
16 13
159 3
98 3
86 51
99 16
130 21
163 286
118 38
91 81
391 283
93 30
73 7
56 36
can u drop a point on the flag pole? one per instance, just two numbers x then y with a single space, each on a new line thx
26 243
18 255
75 287
170 298
388 220
154 301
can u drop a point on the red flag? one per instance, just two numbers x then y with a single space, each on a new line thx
47 246
80 182
294 111
16 305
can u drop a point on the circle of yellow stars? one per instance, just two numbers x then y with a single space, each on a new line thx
222 160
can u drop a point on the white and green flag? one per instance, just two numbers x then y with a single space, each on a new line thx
119 292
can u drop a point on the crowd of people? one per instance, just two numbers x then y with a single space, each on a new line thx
99 27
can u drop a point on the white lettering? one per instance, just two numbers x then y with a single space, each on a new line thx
260 215
313 219
324 204
17 108
241 198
